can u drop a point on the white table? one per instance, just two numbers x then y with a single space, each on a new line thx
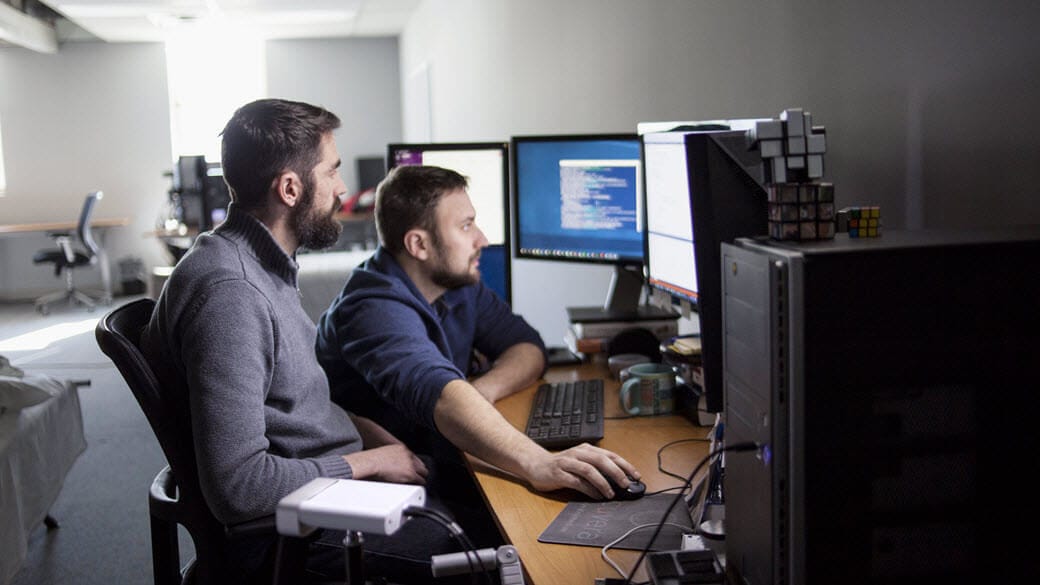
38 446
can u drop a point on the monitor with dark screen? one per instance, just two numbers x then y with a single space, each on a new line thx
370 170
486 166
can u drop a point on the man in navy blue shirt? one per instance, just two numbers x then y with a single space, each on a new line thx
396 344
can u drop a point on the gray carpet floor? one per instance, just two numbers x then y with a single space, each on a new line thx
102 510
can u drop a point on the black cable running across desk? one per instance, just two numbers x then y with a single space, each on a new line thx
565 414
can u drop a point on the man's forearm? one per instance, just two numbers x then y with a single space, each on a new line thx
513 371
474 426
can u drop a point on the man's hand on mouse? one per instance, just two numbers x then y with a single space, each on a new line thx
581 468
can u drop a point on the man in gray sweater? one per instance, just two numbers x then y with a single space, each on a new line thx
230 333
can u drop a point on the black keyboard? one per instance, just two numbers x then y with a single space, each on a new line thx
565 414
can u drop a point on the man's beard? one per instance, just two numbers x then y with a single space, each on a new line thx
316 229
443 276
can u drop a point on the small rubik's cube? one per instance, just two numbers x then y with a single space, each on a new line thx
860 221
801 211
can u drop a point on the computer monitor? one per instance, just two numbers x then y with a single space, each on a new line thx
189 189
370 170
486 165
703 188
578 198
671 265
216 198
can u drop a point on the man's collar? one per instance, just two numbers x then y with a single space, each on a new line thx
243 227
385 262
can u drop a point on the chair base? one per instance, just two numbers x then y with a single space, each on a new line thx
72 297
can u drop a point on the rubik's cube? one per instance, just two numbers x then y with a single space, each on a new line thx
791 147
801 207
801 211
860 221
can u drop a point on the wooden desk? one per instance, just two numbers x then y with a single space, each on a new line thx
522 514
61 226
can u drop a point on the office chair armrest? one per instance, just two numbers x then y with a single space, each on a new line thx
65 243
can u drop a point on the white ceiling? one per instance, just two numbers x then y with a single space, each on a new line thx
156 20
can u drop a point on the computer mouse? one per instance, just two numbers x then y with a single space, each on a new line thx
633 491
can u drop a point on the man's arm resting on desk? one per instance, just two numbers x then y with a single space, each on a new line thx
473 425
514 370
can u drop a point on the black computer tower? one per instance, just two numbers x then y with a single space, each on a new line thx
892 385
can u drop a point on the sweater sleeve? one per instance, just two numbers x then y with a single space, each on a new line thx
228 342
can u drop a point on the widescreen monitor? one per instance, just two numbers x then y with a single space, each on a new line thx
486 165
578 198
671 265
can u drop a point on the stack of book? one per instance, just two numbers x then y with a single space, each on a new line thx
590 337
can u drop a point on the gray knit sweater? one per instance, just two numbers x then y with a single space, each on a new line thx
229 328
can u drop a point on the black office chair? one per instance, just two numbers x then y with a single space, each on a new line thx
66 259
175 496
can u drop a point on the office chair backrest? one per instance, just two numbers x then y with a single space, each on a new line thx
118 335
86 235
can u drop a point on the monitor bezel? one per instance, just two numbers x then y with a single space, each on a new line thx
624 262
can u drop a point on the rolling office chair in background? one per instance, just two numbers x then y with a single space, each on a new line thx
65 258
175 496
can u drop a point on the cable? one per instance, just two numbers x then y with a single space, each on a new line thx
660 464
746 446
457 533
606 547
664 490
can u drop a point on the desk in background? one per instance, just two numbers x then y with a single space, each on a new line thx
522 514
100 226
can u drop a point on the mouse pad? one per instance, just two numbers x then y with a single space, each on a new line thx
599 523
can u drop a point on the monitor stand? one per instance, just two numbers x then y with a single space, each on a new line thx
622 304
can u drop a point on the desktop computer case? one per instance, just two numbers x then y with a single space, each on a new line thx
891 385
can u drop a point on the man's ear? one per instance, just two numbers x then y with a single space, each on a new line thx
417 243
288 188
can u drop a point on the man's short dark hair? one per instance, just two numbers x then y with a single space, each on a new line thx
267 137
406 199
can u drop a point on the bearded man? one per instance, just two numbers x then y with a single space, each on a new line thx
398 342
234 350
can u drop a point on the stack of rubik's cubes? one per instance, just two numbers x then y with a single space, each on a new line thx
801 206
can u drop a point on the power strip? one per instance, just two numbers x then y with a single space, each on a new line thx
372 507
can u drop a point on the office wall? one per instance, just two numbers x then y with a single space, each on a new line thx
357 79
96 115
93 116
929 106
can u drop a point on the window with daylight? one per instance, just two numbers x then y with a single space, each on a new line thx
211 71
